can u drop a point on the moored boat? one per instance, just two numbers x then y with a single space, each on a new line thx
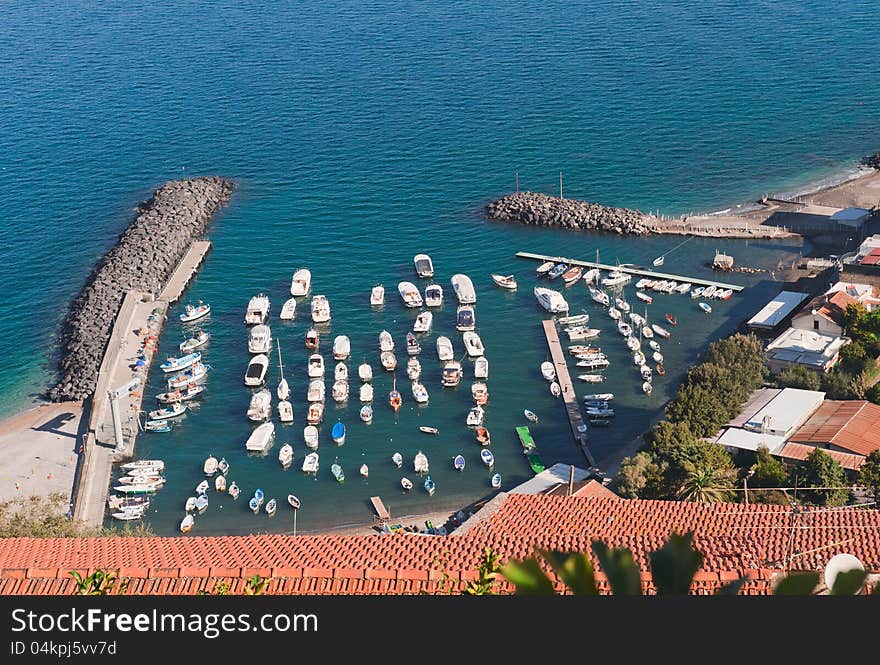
288 310
555 389
310 436
465 318
377 295
433 295
475 416
261 438
397 458
366 414
458 462
600 296
530 415
543 269
395 399
181 363
186 524
413 369
548 371
576 320
423 321
320 309
473 344
338 433
285 456
192 375
256 370
660 330
220 483
301 282
429 430
452 373
191 391
316 390
464 289
444 348
190 344
195 312
388 360
406 484
420 462
313 339
410 294
495 481
366 392
420 393
310 463
338 473
424 266
481 368
504 281
386 341
260 339
365 372
364 470
671 320
315 367
257 310
551 300
480 393
413 348
271 506
482 435
644 297
705 307
293 501
260 407
487 457
341 347
430 486
172 411
339 390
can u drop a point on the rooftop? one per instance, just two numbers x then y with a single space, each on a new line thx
833 306
853 425
775 311
851 214
743 439
799 452
786 410
805 347
550 478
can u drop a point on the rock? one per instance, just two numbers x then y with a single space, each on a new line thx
872 160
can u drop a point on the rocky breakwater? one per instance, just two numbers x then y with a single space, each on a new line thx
144 258
543 210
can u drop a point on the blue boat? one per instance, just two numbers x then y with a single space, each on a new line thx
258 495
496 481
458 462
429 486
254 504
338 433
557 270
181 363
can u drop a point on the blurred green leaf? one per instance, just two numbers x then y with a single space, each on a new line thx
619 567
797 584
674 565
528 577
574 569
849 583
732 588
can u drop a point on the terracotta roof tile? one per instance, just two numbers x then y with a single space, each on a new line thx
853 425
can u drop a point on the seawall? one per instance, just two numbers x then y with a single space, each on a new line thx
143 259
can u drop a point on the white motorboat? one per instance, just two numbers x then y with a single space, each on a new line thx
464 289
423 322
654 345
600 296
181 363
187 523
614 313
420 393
530 415
504 281
388 361
192 313
582 333
320 309
377 295
310 436
705 307
366 392
452 373
632 343
592 276
315 414
365 372
285 411
364 470
709 291
697 292
465 318
487 457
191 391
599 397
658 261
288 310
647 332
660 330
341 347
260 407
548 371
261 438
644 297
473 344
413 348
366 414
397 458
684 288
285 456
339 391
316 390
480 393
615 278
647 388
624 328
544 268
576 320
420 462
413 369
312 339
481 368
645 371
551 300
597 363
406 484
386 341
310 463
410 294
591 378
190 344
444 348
424 265
622 305
316 366
233 490
340 372
555 390
657 357
170 411
638 319
257 310
145 466
260 339
301 282
475 416
638 358
428 429
433 295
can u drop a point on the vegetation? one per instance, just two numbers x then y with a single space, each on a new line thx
869 474
256 586
822 470
44 517
99 583
798 376
488 570
767 471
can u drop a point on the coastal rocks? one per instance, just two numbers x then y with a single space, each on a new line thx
872 161
143 258
543 210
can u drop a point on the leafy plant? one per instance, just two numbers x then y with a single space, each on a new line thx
99 583
256 585
221 588
488 571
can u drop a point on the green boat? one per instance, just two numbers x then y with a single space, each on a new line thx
535 462
529 449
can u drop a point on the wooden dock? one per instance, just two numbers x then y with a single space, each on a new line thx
382 512
632 271
184 271
569 397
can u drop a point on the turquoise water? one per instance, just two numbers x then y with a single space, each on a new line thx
362 134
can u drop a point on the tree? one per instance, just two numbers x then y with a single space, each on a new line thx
705 484
873 393
798 376
869 474
768 471
635 475
822 470
836 385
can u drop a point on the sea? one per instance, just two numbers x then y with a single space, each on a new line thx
362 133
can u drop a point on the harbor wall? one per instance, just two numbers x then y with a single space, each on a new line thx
143 259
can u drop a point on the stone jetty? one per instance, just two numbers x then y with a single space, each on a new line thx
144 258
544 210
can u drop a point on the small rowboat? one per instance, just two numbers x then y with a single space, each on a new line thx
364 471
496 481
271 505
671 320
220 483
544 268
530 415
293 501
487 457
659 330
504 281
660 370
337 472
367 414
705 307
254 504
186 524
481 434
397 458
157 426
647 388
555 390
406 484
202 487
190 504
430 486
233 490
429 430
458 462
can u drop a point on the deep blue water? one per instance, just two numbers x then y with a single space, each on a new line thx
361 134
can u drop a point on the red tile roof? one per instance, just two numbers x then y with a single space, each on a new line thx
833 308
800 452
853 425
737 540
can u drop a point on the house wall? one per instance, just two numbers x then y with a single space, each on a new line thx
808 321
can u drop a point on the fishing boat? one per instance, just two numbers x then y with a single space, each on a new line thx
293 501
315 368
301 282
592 276
600 296
316 390
192 313
424 265
430 486
254 504
705 307
481 368
464 289
420 393
256 370
260 339
624 328
313 339
465 318
572 275
181 363
557 270
388 360
420 462
475 416
422 324
548 371
143 465
647 388
310 463
504 281
180 395
487 457
397 458
271 506
395 399
337 471
260 407
481 434
480 393
429 430
551 300
171 411
190 344
495 481
555 389
288 310
473 344
310 436
257 310
452 374
220 483
697 292
377 295
365 372
580 333
410 295
364 470
458 462
444 348
543 269
644 297
530 415
261 438
366 414
660 330
341 347
186 524
406 484
591 378
413 369
386 341
320 309
658 261
366 392
433 295
234 491
160 426
671 320
338 433
285 456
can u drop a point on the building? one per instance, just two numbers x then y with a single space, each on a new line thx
865 294
757 542
807 348
794 453
868 244
824 314
851 426
853 217
775 312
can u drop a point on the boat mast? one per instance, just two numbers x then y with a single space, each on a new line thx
280 366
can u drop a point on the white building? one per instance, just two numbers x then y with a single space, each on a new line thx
807 348
824 314
775 311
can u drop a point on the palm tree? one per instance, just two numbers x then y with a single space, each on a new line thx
705 485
